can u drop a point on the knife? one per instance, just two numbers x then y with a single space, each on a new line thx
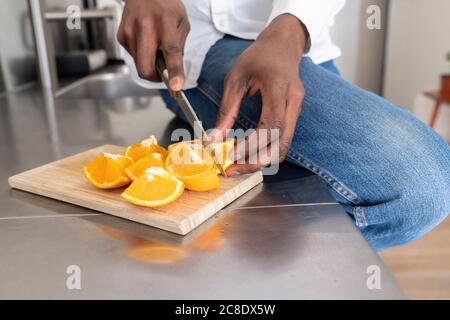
188 111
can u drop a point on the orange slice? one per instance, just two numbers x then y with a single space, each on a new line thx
139 150
193 166
154 159
222 150
154 188
107 171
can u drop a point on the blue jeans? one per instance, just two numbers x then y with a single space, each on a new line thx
389 171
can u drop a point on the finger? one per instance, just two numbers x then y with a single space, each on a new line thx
184 28
270 124
238 152
172 48
296 94
256 162
146 47
125 36
293 107
235 89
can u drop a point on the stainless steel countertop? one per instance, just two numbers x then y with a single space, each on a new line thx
283 239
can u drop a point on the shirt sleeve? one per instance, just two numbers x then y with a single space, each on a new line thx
314 14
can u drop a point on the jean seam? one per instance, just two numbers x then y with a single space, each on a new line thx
215 98
360 217
339 187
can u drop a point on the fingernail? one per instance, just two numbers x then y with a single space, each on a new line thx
175 84
234 173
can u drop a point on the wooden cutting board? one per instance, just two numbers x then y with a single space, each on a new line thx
64 180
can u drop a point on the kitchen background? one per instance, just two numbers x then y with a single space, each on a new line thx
400 61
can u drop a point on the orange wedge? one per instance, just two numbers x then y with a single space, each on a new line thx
145 147
154 159
222 150
154 188
107 171
176 144
197 177
188 153
194 166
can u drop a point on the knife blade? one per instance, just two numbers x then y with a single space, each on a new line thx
188 111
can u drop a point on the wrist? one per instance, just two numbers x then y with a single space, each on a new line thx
290 30
294 30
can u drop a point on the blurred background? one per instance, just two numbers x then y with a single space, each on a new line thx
401 61
404 61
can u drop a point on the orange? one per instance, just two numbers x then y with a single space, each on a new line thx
154 159
154 188
222 150
197 177
176 144
107 171
188 153
194 166
139 150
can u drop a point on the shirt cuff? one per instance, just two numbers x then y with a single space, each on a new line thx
315 15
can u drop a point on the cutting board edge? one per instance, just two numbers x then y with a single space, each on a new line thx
246 185
184 227
53 163
15 183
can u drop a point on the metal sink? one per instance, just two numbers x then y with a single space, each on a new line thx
117 84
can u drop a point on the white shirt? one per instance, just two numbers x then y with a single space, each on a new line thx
210 20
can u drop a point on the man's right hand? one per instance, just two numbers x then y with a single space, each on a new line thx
151 25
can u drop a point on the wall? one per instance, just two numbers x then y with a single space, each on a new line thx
362 49
419 37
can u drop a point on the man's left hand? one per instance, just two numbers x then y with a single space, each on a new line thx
269 66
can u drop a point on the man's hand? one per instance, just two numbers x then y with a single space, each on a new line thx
269 66
151 25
